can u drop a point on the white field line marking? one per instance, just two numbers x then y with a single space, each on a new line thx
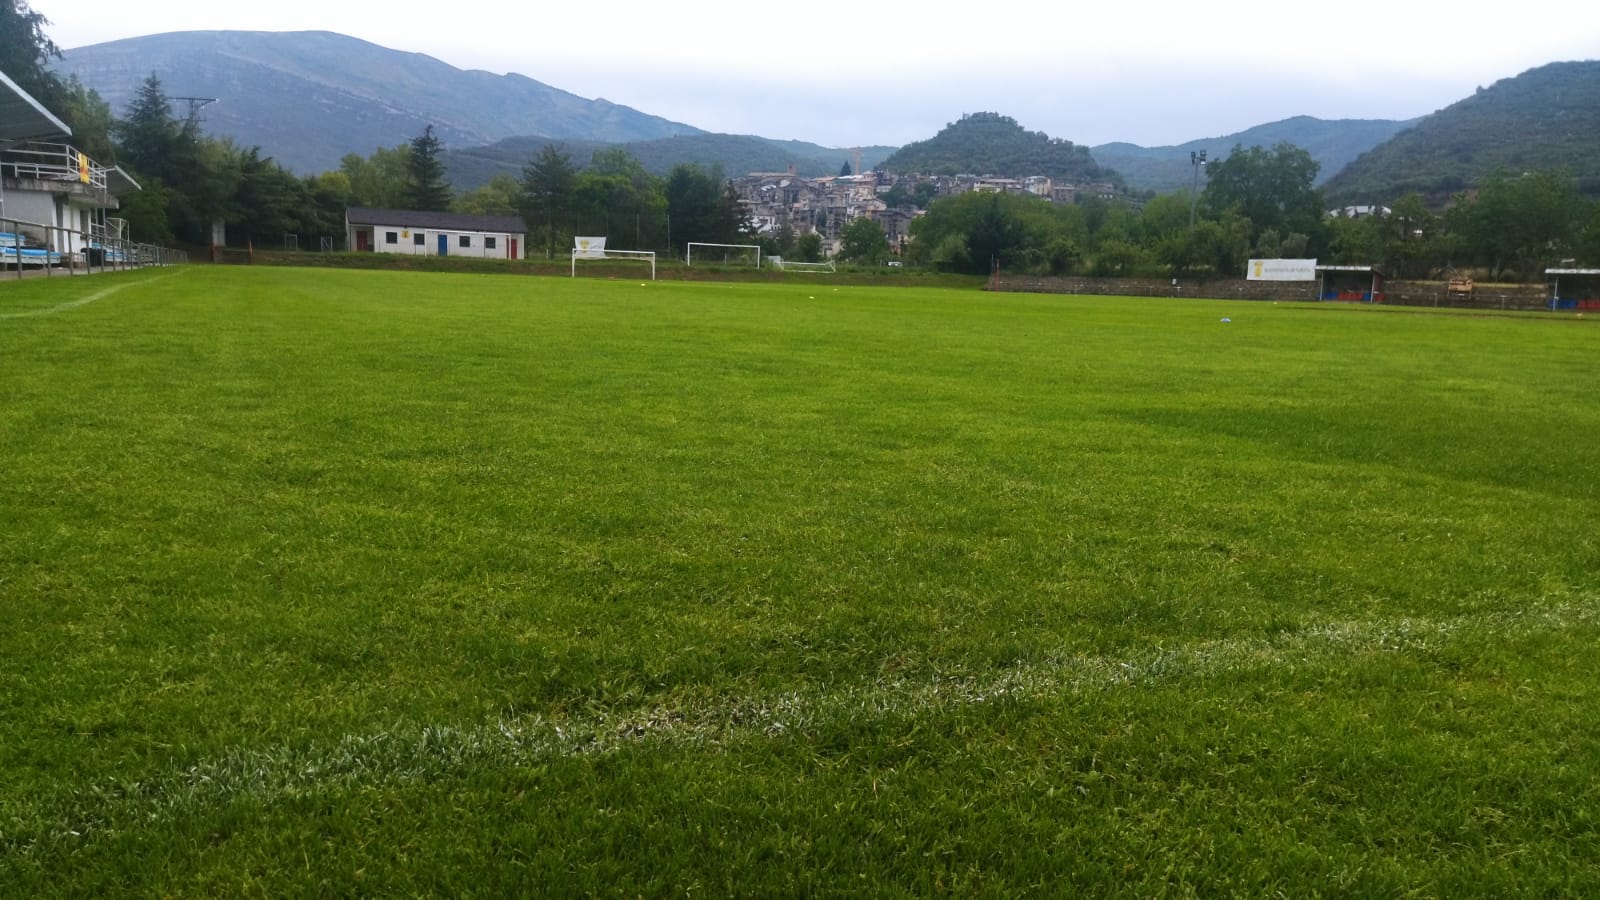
433 752
83 301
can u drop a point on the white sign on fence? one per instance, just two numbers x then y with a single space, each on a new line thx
589 248
1282 270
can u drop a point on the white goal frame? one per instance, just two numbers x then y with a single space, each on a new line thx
784 265
640 255
688 258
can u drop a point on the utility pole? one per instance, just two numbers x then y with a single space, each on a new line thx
1196 160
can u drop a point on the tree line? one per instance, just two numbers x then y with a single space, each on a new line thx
1261 203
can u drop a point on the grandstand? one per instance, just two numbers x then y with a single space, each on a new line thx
55 202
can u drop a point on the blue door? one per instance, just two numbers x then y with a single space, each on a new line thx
444 245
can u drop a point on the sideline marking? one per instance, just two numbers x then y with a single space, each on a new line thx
82 301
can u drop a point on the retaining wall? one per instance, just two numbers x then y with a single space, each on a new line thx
1396 293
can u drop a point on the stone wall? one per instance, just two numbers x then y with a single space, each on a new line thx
1483 296
1396 293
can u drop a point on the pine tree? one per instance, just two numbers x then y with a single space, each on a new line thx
548 182
148 135
428 189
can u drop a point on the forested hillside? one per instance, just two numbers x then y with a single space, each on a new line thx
987 143
1546 119
736 154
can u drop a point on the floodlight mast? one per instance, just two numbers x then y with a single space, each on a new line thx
1197 160
195 105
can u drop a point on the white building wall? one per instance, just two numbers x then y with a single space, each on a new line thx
405 242
46 217
35 207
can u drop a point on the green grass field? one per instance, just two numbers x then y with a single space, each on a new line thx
322 582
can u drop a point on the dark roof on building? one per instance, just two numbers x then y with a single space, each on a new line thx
22 118
438 221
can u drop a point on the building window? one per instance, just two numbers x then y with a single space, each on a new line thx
488 243
419 239
391 237
466 240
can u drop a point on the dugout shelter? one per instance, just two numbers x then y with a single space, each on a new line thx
1350 284
1574 289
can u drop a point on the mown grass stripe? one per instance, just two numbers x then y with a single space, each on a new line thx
711 724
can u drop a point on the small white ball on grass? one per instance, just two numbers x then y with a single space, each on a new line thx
1226 319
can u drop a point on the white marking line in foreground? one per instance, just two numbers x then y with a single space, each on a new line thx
708 724
81 301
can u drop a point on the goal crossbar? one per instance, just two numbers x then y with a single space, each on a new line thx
688 258
641 255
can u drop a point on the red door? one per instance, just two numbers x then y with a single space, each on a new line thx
513 248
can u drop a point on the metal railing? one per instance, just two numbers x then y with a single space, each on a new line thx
57 250
54 162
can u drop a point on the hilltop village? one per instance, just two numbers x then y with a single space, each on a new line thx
779 202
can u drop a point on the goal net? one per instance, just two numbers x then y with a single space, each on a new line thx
794 265
591 248
730 254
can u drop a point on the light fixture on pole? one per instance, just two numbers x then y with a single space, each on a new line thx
1196 160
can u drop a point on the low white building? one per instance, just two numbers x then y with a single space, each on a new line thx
416 233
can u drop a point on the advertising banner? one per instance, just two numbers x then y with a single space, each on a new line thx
1282 270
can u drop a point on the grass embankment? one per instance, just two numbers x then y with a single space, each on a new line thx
336 582
621 270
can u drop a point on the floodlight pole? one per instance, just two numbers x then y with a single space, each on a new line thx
1196 160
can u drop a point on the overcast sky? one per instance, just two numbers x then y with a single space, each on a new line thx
1151 73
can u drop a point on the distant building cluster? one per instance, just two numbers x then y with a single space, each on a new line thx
779 201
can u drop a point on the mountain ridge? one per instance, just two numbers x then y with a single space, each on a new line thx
310 97
1333 143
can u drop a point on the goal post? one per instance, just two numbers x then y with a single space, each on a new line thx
688 258
595 248
792 265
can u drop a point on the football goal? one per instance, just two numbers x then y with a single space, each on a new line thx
595 248
794 265
735 254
